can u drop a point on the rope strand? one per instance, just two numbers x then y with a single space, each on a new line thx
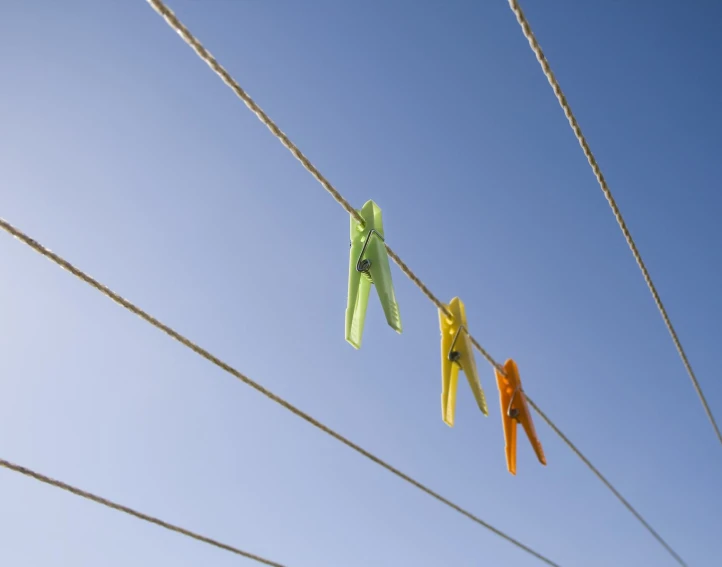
35 245
546 68
173 21
140 515
196 45
225 76
608 484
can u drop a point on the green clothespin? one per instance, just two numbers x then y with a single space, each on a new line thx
369 264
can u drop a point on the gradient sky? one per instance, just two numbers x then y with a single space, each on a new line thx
121 151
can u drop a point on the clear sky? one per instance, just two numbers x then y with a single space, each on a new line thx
124 153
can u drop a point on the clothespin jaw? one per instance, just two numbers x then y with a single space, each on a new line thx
457 354
369 264
515 409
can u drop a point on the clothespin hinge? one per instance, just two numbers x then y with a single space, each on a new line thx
513 413
455 355
363 265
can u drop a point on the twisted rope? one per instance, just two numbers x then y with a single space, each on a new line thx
549 74
131 512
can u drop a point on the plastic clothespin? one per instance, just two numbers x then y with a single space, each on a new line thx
515 409
456 354
369 264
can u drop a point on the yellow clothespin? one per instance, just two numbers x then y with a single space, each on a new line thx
456 354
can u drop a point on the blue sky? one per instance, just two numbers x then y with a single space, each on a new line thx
125 154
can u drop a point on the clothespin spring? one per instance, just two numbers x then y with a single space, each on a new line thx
363 265
455 355
513 413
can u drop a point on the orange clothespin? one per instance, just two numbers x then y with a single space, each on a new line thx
515 409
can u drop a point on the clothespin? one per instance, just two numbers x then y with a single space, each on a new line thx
515 409
456 354
369 264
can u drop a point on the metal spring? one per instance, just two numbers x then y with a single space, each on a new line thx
363 265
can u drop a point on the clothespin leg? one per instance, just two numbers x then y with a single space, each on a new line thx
472 374
449 386
510 433
380 268
358 299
